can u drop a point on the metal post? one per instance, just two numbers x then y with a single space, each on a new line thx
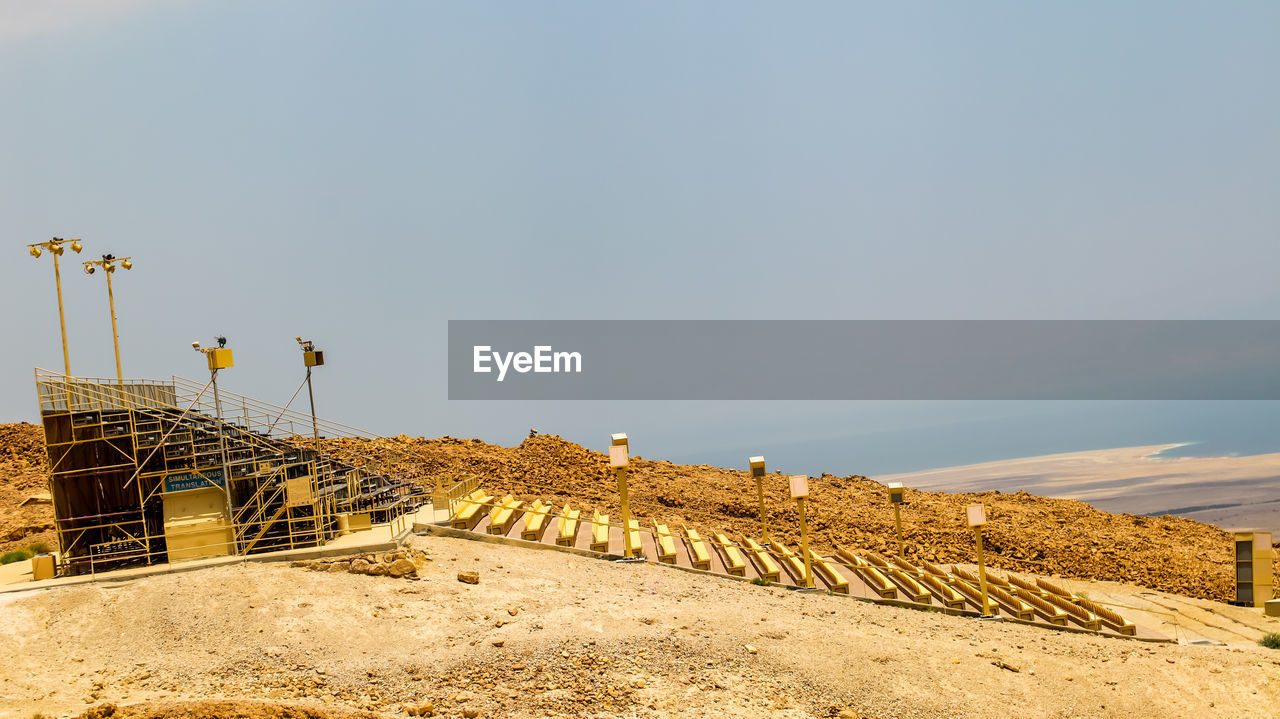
764 526
62 319
804 546
628 551
115 335
222 449
315 428
982 573
897 521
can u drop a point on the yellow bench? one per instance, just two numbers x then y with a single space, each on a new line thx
599 531
973 594
504 514
827 570
907 583
469 510
1111 619
535 521
1050 613
765 565
733 560
794 564
697 550
873 577
948 597
1016 607
568 527
666 543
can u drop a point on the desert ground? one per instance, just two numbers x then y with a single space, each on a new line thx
550 634
1229 492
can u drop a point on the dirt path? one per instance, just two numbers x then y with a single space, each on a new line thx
548 634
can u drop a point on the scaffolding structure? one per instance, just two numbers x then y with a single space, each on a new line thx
148 471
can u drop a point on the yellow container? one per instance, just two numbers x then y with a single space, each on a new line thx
220 358
1253 568
42 567
359 521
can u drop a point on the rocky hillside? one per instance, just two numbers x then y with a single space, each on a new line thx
1025 533
23 478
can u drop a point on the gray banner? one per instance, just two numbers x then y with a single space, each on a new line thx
863 359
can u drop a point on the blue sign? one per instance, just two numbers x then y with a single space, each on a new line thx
184 481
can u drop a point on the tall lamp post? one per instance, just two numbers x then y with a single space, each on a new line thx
896 498
311 357
619 459
55 248
108 263
976 516
220 357
799 484
757 471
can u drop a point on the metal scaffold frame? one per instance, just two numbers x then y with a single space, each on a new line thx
123 452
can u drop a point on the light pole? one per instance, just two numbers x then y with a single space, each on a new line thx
757 471
311 357
108 265
800 492
896 499
220 357
976 515
55 248
619 458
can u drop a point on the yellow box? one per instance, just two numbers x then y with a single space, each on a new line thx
42 567
1253 568
313 359
219 358
618 456
359 521
896 492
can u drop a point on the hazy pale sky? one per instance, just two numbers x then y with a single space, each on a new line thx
362 172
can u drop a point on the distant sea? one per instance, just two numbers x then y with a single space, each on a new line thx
1202 428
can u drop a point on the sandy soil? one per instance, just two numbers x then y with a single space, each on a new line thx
549 634
1229 492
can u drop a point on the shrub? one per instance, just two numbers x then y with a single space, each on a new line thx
16 555
1270 641
760 582
38 548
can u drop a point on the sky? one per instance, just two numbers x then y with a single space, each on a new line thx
360 173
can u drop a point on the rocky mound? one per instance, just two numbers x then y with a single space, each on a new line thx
25 514
397 564
1025 533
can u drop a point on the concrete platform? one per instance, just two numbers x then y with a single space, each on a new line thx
16 577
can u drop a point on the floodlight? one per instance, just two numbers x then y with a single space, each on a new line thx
799 486
976 514
195 345
57 250
618 456
90 269
896 492
35 251
76 246
128 265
